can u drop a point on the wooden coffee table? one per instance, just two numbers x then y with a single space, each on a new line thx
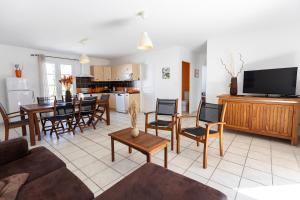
145 143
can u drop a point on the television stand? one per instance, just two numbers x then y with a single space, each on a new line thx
274 117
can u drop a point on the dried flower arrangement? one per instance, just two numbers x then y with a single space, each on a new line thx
133 112
67 82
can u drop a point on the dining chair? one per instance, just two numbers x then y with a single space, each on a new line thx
167 108
87 108
62 113
44 115
101 108
9 123
212 115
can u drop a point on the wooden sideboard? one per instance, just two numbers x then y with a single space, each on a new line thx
274 117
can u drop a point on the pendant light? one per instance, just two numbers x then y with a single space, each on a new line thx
145 42
84 59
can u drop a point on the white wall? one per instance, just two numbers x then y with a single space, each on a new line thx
272 48
11 55
152 84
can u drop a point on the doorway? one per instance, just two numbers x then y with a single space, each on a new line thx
185 87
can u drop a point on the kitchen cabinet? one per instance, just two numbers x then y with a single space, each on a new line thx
97 72
136 98
112 101
116 73
122 72
106 73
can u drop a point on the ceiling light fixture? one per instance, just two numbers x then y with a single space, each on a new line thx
84 59
145 42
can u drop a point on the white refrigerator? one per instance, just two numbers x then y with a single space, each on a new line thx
18 93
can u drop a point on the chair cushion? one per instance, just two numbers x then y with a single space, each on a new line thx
37 163
19 123
60 184
198 131
161 123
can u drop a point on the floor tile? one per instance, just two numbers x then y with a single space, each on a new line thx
229 192
91 185
83 161
259 165
231 167
225 178
105 177
198 169
182 162
93 168
238 159
196 177
124 166
80 175
257 176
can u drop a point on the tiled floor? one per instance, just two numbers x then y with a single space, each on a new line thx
253 167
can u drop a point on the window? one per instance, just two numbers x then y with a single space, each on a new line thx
55 71
65 70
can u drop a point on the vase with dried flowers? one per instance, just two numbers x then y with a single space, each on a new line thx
231 71
132 111
18 70
67 82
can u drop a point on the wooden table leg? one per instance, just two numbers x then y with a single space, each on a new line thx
129 150
31 128
112 150
24 126
107 114
37 127
166 156
148 158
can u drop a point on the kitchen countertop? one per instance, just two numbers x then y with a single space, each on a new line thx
112 92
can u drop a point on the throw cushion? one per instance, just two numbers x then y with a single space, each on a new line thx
9 186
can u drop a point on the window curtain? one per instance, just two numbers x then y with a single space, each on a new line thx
44 89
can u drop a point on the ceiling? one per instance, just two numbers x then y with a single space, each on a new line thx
113 29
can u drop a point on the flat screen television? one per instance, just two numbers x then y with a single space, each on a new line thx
280 81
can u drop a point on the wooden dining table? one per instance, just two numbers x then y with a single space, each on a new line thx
33 109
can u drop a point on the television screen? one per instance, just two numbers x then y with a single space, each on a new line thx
271 81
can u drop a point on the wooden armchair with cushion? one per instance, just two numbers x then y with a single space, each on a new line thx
213 116
168 108
9 124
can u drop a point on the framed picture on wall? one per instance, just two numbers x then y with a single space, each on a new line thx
196 73
166 73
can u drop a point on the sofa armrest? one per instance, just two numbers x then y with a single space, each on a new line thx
12 150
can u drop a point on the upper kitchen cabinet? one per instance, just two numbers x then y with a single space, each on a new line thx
97 72
136 71
125 72
106 73
101 73
116 73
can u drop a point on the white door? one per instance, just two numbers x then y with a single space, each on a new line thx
18 98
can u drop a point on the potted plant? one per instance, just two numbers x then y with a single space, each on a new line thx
233 82
67 82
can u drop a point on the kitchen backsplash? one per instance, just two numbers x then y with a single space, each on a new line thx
86 82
